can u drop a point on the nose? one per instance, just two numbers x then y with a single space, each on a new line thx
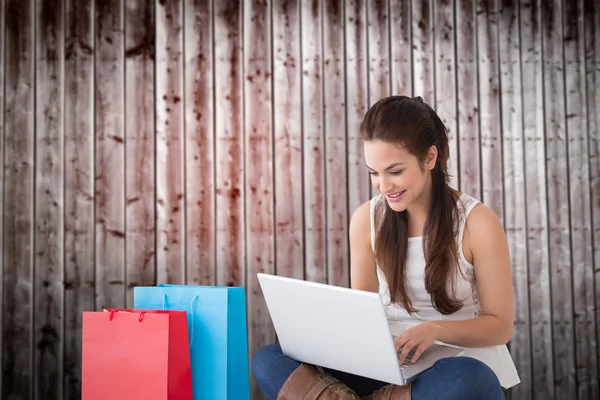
384 185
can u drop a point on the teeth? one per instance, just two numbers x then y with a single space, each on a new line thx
395 194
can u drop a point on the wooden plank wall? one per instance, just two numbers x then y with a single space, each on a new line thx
202 141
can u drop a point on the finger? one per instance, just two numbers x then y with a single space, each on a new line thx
418 352
405 351
401 341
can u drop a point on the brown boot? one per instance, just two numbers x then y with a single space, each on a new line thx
391 392
308 383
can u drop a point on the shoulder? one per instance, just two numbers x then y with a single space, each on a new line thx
361 223
361 218
483 229
482 219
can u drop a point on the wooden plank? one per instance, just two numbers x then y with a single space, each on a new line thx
199 144
592 69
19 205
379 50
110 156
532 91
288 152
579 198
258 143
170 143
336 180
401 52
489 97
558 202
359 187
378 46
49 239
229 144
313 146
401 48
514 181
445 79
2 69
422 51
79 184
140 246
468 106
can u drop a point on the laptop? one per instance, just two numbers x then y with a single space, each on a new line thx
340 328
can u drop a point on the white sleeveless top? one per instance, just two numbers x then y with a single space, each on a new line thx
496 357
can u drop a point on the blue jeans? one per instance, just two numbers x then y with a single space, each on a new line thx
462 378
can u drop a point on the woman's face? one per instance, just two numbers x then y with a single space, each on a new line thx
396 173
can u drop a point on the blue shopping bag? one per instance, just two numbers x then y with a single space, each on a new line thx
217 332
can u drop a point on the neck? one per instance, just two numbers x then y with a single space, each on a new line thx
418 211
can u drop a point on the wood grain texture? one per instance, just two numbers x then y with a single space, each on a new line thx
378 31
515 221
336 178
199 143
379 50
357 101
2 69
140 244
313 144
170 143
79 184
489 102
592 74
110 156
532 91
445 79
423 57
258 117
401 48
230 220
289 150
586 349
469 148
557 175
49 206
401 52
19 203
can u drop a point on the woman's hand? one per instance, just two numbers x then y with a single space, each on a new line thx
417 339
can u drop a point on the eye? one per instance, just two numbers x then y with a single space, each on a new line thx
372 173
396 172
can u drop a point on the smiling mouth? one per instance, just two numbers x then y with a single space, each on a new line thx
395 195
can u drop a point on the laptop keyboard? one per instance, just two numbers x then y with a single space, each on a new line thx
407 362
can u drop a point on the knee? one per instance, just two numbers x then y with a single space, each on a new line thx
263 359
476 380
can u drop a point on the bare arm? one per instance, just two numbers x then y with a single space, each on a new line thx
363 275
486 240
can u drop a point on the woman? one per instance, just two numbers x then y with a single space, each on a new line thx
438 258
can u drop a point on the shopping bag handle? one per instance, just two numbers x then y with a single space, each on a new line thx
192 304
116 310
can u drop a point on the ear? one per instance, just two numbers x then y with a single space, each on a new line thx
431 158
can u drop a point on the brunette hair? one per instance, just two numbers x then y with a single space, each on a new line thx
413 124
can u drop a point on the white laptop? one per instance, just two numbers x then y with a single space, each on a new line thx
340 328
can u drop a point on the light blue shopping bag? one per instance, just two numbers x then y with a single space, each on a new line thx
217 331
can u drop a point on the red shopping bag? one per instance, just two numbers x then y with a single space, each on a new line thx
135 354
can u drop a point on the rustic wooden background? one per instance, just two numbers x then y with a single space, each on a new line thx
204 141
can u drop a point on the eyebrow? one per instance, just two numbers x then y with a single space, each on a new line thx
389 166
